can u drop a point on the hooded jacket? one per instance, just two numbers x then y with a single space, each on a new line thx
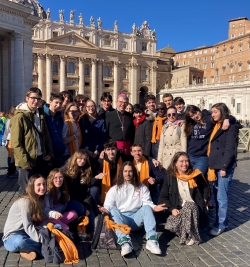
24 137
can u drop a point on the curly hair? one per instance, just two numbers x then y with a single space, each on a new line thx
172 167
51 189
36 202
73 169
135 181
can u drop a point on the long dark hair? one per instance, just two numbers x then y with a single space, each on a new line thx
224 111
64 198
172 167
135 181
189 122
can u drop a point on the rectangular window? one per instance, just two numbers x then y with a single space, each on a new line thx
107 42
124 45
205 58
240 48
86 84
212 64
217 54
224 53
196 53
106 85
144 46
55 81
204 66
231 51
190 54
239 68
212 57
86 38
232 35
55 34
205 51
238 107
217 72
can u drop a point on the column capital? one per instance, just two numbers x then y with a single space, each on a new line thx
117 63
48 56
133 65
94 60
40 56
63 58
18 35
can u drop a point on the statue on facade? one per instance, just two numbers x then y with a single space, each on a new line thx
153 34
72 16
92 21
80 19
61 15
145 25
134 28
202 103
40 12
48 13
99 23
116 26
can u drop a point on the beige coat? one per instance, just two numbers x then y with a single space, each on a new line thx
170 143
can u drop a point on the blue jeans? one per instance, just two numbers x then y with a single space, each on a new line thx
22 242
200 163
221 187
79 209
135 220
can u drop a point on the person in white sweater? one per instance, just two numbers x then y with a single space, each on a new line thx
129 202
20 233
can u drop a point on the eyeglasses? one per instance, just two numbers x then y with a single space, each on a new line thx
35 98
171 114
58 178
160 109
123 103
106 101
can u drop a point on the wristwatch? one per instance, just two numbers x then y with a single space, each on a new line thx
74 136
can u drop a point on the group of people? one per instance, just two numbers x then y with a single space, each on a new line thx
129 162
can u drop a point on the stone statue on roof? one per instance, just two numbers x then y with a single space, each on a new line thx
40 12
116 26
80 19
134 28
99 21
72 16
61 15
48 13
92 21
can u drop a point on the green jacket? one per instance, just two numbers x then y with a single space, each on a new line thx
24 137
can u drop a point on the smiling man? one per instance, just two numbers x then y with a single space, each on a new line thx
30 138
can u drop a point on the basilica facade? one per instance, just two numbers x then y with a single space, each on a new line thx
88 59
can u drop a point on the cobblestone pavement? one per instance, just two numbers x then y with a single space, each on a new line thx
231 248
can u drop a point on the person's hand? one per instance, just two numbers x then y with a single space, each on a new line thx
58 215
160 207
101 156
157 163
100 175
102 209
151 180
225 124
87 213
47 158
223 173
28 168
96 153
180 122
175 212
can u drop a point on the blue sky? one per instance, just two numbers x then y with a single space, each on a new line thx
184 24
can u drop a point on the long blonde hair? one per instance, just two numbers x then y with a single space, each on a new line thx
73 169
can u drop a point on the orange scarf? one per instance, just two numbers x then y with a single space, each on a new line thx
72 144
144 173
111 225
81 228
69 250
106 180
190 178
211 176
158 123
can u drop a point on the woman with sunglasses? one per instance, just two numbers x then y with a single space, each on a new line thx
173 138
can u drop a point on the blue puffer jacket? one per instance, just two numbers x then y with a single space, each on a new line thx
55 127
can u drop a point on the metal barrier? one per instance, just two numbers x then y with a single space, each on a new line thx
244 139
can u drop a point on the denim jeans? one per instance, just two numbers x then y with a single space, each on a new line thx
221 187
135 220
22 242
200 163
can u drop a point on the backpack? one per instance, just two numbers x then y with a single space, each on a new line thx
103 237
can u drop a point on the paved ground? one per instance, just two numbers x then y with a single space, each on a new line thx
231 248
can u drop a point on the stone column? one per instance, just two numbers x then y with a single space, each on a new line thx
99 80
81 76
116 82
5 68
40 58
62 73
153 79
18 70
93 80
48 76
133 81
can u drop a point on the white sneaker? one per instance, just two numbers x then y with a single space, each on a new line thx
153 246
126 249
190 242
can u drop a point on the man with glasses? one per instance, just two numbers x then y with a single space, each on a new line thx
106 101
120 126
30 138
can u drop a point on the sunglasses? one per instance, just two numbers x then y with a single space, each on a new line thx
171 114
160 109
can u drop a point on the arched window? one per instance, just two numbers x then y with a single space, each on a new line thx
55 67
143 75
71 68
86 71
106 71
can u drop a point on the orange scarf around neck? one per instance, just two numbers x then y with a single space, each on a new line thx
106 180
211 176
72 144
189 178
69 250
144 172
157 127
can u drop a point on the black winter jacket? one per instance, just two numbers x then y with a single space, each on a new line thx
170 195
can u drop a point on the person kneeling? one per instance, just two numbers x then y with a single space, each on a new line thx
185 193
129 202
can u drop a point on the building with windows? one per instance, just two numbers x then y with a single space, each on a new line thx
90 60
16 19
219 73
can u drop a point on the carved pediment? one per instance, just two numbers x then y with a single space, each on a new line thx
72 39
